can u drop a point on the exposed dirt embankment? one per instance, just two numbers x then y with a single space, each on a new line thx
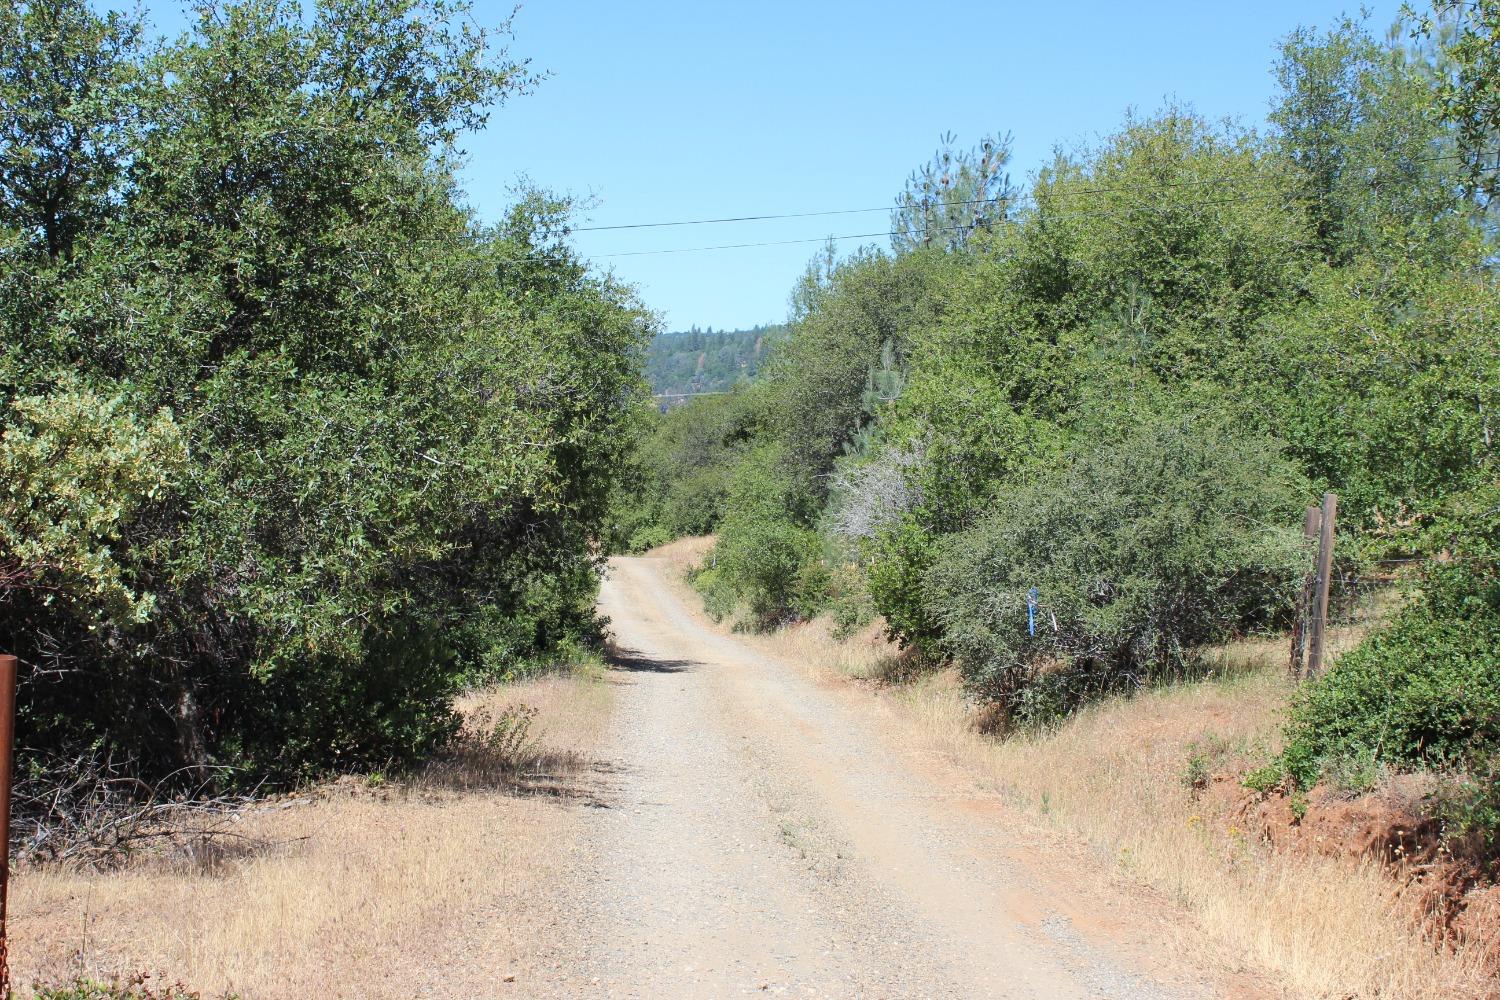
1451 898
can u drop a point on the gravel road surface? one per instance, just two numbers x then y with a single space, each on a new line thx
756 833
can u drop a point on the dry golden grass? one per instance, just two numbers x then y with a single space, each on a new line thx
682 555
1113 776
358 890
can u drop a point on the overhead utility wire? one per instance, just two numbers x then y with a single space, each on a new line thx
1093 189
779 243
884 233
1068 192
760 218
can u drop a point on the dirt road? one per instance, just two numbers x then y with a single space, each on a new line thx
760 834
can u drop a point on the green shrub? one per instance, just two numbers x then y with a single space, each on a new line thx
648 536
760 558
1263 779
812 587
849 602
1140 550
763 543
1424 691
903 555
719 597
264 517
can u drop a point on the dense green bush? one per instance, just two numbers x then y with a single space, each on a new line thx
762 544
847 601
903 553
1424 691
762 557
294 445
1141 550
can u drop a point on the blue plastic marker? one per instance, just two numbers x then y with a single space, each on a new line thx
1031 611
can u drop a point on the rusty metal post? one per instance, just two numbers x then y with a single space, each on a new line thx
8 668
1310 529
1318 645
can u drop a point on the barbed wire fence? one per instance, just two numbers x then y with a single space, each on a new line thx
1343 600
1364 596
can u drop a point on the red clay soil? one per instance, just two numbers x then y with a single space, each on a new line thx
1450 896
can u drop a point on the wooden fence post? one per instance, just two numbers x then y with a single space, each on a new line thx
1310 529
1317 647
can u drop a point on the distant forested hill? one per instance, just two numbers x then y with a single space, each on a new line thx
692 361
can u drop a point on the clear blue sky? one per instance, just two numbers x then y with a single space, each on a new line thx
693 109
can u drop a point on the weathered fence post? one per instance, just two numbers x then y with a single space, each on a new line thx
1310 528
1317 647
8 667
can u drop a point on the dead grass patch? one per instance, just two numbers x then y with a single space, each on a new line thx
1117 775
360 888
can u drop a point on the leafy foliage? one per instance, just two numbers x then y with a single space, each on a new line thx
75 469
1357 121
137 987
349 448
1469 97
853 323
1425 690
762 547
1138 549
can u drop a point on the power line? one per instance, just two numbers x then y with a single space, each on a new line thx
1071 190
1093 189
909 232
891 208
841 211
775 243
763 218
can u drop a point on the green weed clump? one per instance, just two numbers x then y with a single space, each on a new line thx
1204 757
1469 806
137 987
